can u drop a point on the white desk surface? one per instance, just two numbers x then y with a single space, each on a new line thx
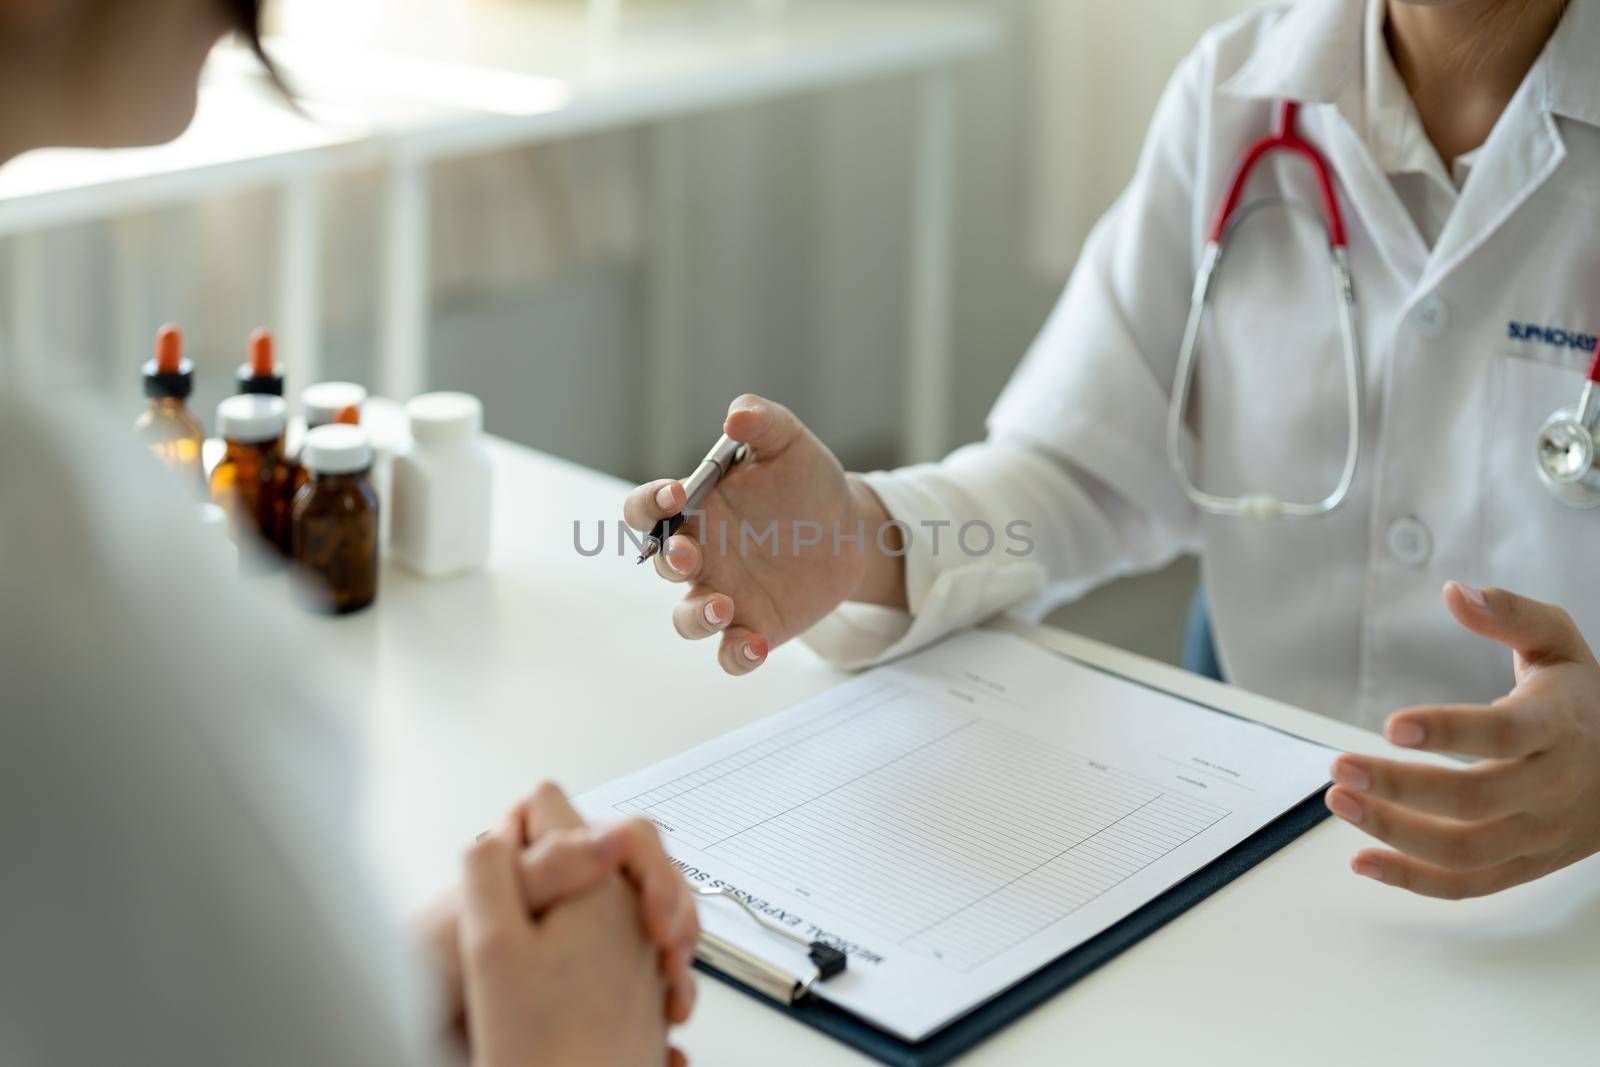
554 665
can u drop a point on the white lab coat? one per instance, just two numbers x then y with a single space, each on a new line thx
1468 345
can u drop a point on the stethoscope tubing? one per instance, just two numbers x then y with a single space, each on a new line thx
1567 450
1228 218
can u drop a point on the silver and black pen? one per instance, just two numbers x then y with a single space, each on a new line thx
723 457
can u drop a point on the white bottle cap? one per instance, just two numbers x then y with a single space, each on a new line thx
438 418
251 418
323 402
336 449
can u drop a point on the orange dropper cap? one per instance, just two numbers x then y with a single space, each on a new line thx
260 374
349 416
261 352
169 349
169 374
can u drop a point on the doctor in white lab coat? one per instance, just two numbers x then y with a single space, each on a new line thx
1464 137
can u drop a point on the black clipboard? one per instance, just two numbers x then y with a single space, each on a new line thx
959 1036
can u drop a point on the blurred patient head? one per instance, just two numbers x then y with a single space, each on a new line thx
105 73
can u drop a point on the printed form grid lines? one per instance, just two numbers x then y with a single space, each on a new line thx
956 836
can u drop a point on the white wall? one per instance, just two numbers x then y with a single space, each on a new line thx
796 228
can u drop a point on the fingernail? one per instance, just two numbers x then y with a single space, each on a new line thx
712 615
750 652
1407 733
676 561
1368 869
1345 807
1352 776
664 498
1473 596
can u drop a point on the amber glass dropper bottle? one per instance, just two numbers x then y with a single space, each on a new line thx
261 373
167 426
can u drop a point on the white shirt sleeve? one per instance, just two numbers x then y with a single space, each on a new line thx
1077 448
181 881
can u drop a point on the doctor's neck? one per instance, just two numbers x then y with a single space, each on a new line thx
1462 61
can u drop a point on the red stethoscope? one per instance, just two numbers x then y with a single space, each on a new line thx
1228 219
1566 454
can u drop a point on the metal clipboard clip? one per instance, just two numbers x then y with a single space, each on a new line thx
723 955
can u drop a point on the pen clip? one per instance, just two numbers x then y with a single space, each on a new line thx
827 960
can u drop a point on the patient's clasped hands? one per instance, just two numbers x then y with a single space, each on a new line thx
566 944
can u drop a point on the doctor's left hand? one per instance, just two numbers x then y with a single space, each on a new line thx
1529 806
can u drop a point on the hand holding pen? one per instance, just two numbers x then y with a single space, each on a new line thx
755 539
719 462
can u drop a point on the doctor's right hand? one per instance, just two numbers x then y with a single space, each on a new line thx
774 547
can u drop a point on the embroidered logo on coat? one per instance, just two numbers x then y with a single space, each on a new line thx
1533 333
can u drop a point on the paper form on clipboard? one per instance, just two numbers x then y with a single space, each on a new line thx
959 820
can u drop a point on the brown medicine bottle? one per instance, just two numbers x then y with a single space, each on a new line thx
248 481
324 404
167 426
335 522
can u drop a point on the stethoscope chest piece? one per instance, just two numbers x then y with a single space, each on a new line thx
1565 454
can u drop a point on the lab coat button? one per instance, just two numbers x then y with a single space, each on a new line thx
1431 316
1409 542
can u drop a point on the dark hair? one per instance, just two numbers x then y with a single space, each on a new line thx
247 23
246 20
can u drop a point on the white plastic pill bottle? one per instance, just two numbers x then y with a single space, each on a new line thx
442 488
